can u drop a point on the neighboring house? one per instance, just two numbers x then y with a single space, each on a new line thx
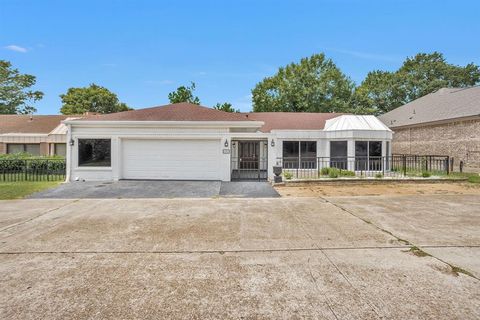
446 122
189 142
36 134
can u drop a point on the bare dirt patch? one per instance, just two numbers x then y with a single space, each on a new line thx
376 189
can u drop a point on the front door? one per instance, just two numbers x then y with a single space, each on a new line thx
248 154
249 160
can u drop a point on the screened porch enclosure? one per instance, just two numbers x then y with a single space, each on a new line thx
359 157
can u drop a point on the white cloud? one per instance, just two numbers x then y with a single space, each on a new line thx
16 48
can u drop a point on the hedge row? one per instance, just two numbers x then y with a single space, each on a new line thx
32 165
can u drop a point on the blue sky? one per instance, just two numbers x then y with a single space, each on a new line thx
142 50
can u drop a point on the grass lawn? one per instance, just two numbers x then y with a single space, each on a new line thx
471 177
20 189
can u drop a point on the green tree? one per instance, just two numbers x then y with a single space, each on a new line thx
15 93
418 76
93 98
378 93
184 94
225 107
315 84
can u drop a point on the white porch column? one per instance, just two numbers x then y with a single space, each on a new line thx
351 154
323 152
272 155
68 156
385 162
116 158
225 158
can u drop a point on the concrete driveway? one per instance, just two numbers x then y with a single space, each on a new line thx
132 189
331 258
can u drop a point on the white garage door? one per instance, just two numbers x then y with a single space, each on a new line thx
171 159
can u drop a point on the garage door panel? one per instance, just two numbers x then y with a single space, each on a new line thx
171 159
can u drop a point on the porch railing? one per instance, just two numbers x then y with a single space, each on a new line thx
374 166
32 169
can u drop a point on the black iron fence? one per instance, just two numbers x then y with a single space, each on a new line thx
32 169
378 167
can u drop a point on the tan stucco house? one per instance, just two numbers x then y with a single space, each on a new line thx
36 134
446 122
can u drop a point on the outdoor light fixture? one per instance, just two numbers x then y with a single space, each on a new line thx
71 142
272 143
226 143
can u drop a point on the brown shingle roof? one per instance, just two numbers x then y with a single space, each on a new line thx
192 112
11 123
291 120
444 104
172 112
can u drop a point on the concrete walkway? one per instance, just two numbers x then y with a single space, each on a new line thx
132 189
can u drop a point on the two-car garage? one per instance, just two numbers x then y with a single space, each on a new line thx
171 159
181 141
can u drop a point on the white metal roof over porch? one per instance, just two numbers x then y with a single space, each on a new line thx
355 122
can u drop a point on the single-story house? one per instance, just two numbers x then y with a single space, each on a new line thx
189 142
36 134
446 122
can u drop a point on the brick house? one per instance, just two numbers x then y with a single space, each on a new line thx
446 122
36 134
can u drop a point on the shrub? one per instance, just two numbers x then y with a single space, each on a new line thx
12 165
24 155
379 176
325 171
333 173
44 165
426 174
347 173
287 175
25 162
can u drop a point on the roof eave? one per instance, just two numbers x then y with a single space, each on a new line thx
435 122
23 134
202 124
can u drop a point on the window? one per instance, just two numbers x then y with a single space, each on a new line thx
290 149
338 154
94 152
375 155
33 149
387 158
60 149
361 155
308 149
368 155
300 154
15 148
